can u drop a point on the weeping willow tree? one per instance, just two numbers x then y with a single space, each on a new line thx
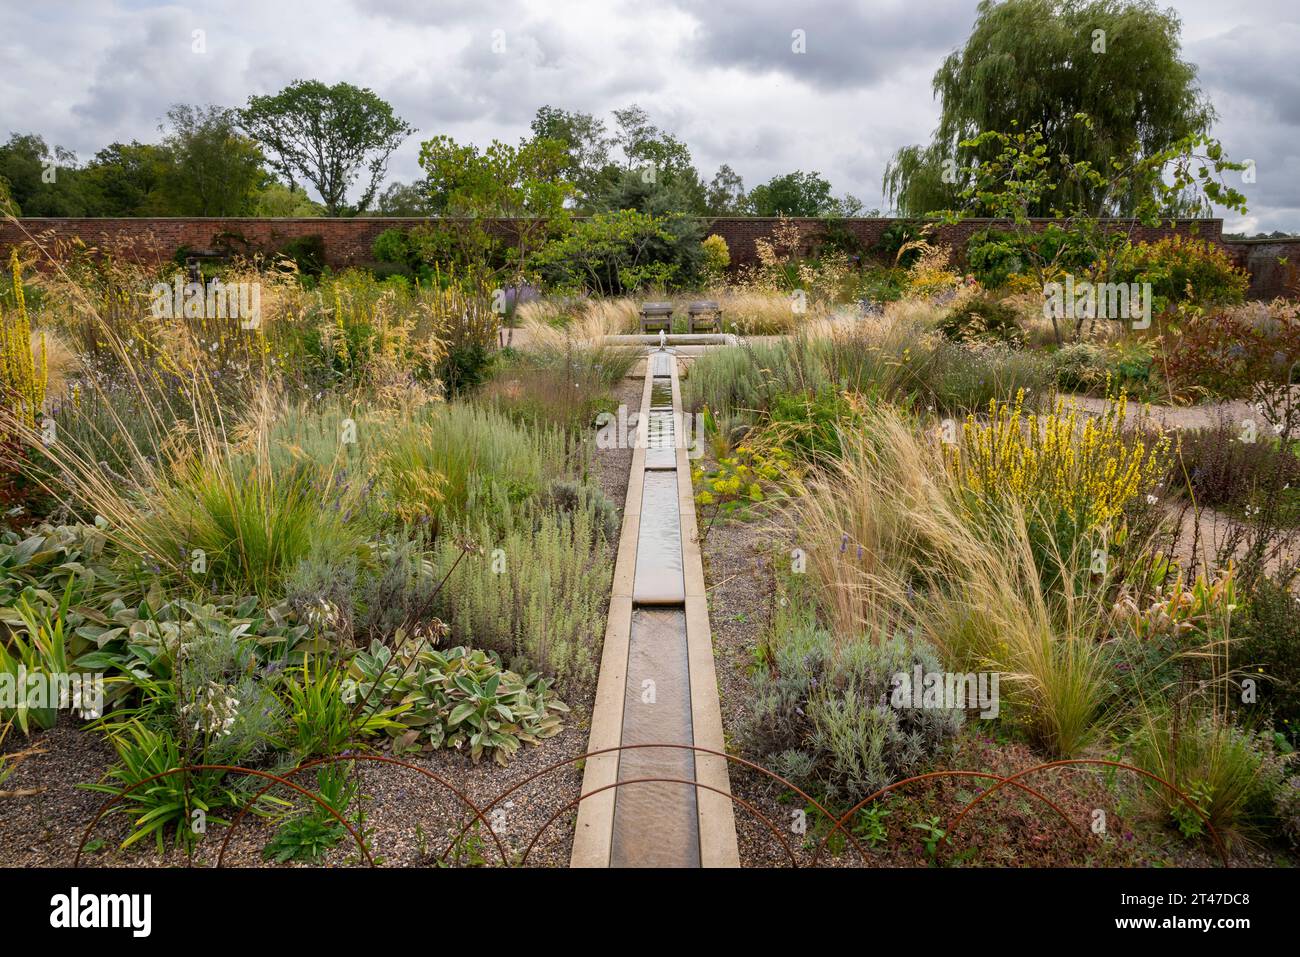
1039 63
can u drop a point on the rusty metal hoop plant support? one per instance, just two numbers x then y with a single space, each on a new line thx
1075 762
837 825
480 813
383 759
230 768
930 775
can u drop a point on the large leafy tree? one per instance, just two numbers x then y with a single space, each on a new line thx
1020 176
41 181
587 146
210 168
800 194
1039 63
405 199
726 193
276 199
124 178
656 175
330 136
524 183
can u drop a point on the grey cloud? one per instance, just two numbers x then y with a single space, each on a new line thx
1256 62
848 45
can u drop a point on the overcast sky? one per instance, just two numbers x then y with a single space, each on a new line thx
720 74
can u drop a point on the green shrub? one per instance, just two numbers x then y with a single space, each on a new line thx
821 715
981 318
895 237
432 463
535 594
994 256
568 389
810 426
476 458
466 367
1268 649
960 378
1079 367
745 380
881 284
306 252
1184 270
1229 355
394 246
568 497
230 710
1287 808
716 256
837 238
621 252
903 365
1131 364
1221 469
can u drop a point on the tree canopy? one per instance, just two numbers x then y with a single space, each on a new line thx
330 136
209 168
800 194
1040 63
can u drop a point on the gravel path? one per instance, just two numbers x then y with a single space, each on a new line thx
1179 417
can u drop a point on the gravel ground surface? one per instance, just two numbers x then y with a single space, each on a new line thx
612 466
408 818
1178 417
740 579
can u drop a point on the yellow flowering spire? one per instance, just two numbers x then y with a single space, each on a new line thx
21 381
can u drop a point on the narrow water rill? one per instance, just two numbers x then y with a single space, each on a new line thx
655 823
659 549
657 695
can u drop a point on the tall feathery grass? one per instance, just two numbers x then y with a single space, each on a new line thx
895 542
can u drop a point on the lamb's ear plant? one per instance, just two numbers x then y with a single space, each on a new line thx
458 697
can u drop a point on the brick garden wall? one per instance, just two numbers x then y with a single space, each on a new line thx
348 241
741 232
1273 264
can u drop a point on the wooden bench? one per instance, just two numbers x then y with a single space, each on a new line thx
656 316
705 316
